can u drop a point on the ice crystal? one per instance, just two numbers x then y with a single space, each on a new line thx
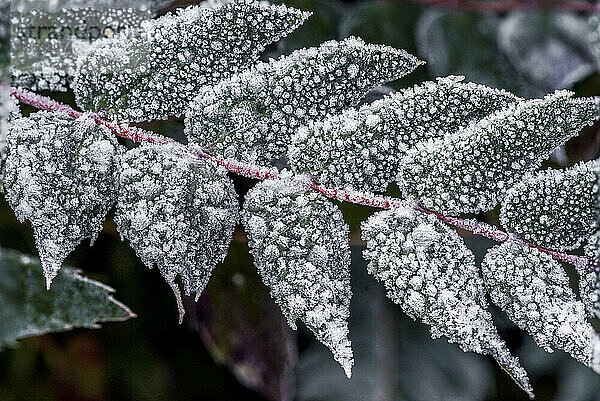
533 290
252 116
428 270
154 72
553 208
60 174
471 170
362 148
299 242
178 212
589 276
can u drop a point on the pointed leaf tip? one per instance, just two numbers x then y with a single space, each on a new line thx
178 212
299 242
428 270
61 175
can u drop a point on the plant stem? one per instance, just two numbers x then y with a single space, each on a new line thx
501 6
262 173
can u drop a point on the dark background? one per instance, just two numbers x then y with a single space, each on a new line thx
235 338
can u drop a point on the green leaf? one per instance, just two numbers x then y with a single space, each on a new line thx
533 289
465 43
556 209
253 115
154 72
178 212
27 309
471 170
362 149
428 270
299 242
61 174
548 48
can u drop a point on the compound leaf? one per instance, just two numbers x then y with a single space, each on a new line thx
252 116
178 212
428 270
27 309
361 149
299 242
470 171
154 72
533 289
60 174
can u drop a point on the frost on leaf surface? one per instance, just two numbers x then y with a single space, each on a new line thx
428 270
45 59
9 111
153 73
299 242
471 170
361 149
556 209
533 289
60 174
178 212
251 116
27 309
589 276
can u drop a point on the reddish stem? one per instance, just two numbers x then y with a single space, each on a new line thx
262 173
501 6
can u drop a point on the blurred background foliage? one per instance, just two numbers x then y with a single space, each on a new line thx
234 343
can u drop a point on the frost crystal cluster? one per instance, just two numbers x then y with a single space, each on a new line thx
153 73
362 149
470 171
589 276
428 270
533 290
178 212
553 208
61 175
299 242
253 115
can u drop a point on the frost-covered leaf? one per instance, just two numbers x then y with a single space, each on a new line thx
428 270
556 209
27 309
470 171
549 49
45 46
589 276
154 72
533 289
252 116
299 242
362 148
178 212
60 174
